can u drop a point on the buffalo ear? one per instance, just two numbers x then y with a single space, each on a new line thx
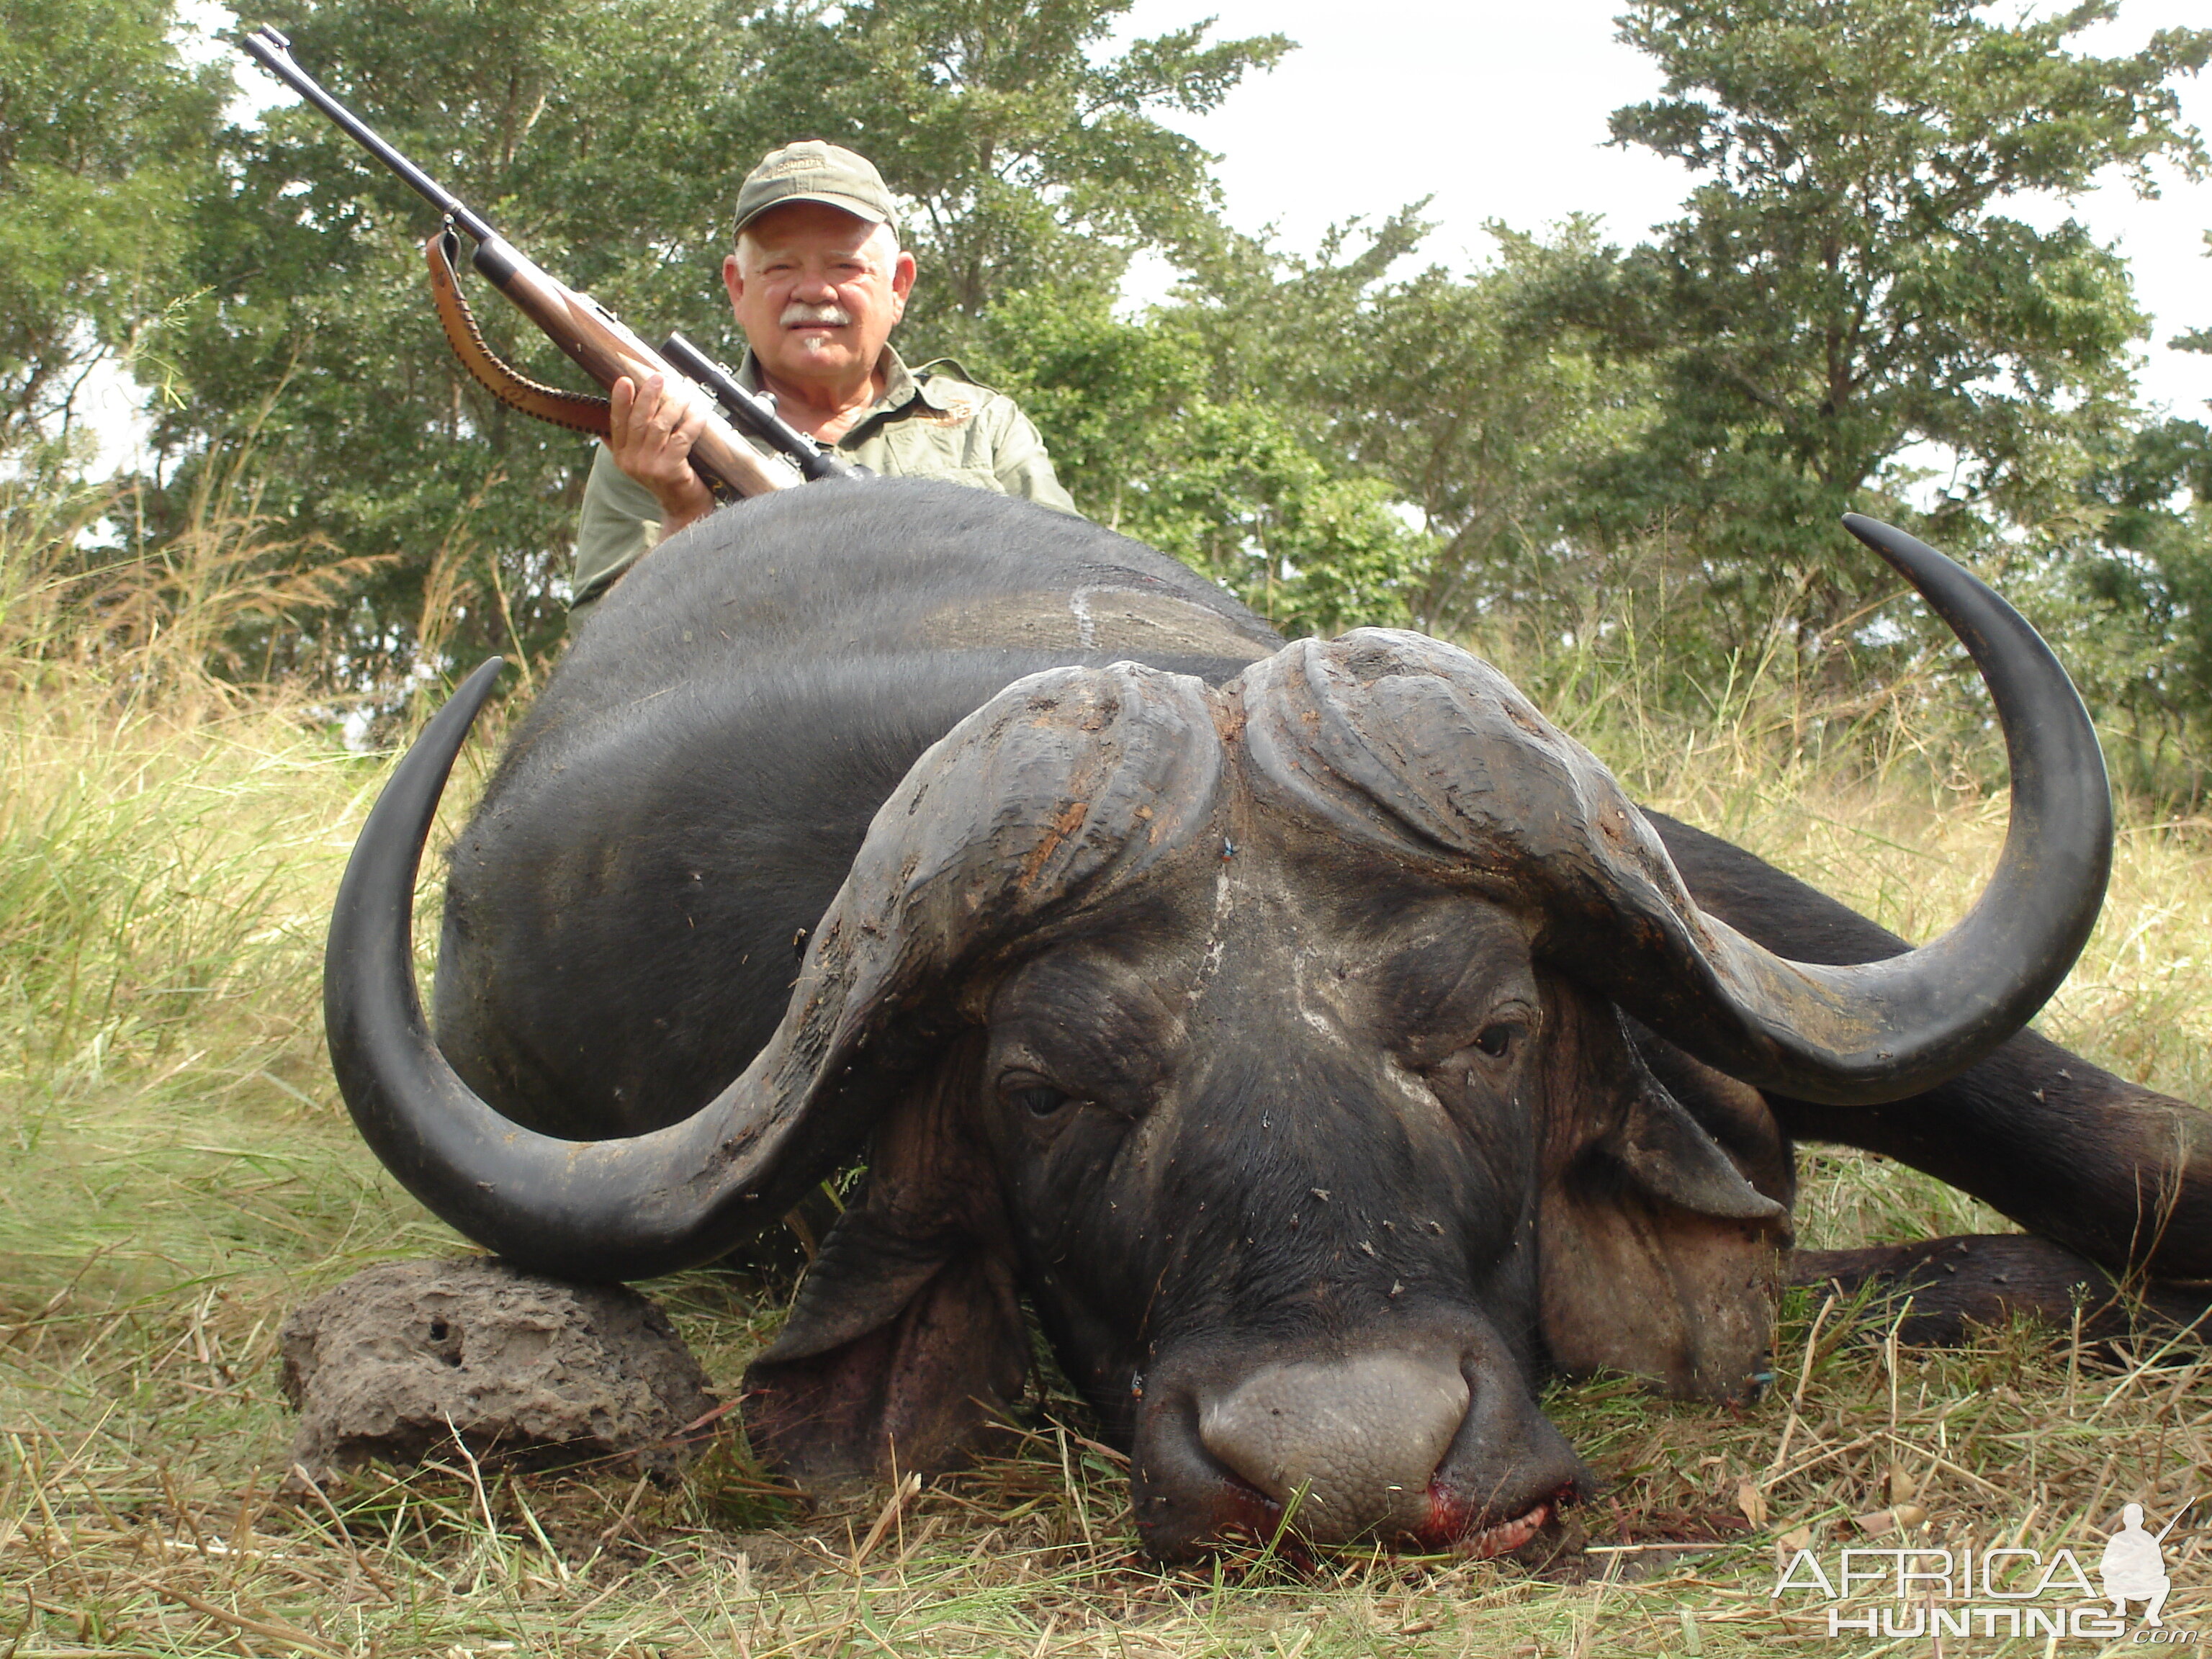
906 1343
1657 1256
1670 1155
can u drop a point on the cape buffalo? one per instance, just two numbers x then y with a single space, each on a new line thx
1319 1041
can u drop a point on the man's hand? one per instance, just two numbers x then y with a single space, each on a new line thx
650 431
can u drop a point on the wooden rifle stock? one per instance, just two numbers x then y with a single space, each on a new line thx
593 336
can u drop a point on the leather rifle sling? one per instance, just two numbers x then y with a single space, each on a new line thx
577 411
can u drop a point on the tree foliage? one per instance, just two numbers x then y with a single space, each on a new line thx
1849 283
1866 303
2140 634
1153 442
1336 442
104 136
1482 424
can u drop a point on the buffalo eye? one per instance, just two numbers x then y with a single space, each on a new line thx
1496 1040
1034 1095
1041 1102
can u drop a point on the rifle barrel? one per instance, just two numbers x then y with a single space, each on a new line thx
273 51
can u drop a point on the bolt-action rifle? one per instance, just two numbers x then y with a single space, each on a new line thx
590 334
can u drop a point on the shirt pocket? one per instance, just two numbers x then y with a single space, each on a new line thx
928 463
919 448
977 477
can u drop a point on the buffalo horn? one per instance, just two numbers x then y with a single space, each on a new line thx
1882 1030
1400 739
1061 789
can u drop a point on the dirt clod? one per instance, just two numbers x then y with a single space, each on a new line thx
527 1369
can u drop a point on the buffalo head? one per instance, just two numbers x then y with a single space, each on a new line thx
1325 1054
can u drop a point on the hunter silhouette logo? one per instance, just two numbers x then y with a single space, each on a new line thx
2133 1567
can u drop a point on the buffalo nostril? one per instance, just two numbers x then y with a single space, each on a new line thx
1355 1440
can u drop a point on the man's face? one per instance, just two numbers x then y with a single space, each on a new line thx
817 290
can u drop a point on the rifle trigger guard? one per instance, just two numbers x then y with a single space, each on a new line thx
576 410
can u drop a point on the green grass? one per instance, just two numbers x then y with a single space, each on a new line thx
176 1173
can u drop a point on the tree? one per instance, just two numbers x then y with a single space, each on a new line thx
1339 446
1156 439
2139 637
1482 424
104 134
1847 285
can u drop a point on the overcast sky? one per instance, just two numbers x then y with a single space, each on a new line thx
1499 111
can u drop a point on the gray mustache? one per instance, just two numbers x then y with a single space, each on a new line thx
797 313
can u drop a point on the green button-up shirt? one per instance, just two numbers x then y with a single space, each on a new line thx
931 422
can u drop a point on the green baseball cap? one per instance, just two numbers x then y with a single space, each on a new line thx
813 171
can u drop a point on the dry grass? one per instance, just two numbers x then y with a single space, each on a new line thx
175 1172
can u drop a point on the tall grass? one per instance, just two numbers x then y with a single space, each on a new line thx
175 1172
170 832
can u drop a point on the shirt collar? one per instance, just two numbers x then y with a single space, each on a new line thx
900 387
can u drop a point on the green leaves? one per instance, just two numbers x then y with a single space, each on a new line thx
1859 308
1219 428
104 137
1155 439
1847 286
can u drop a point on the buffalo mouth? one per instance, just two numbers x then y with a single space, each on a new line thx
1457 1526
1234 1510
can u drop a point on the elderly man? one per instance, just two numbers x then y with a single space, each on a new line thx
816 281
